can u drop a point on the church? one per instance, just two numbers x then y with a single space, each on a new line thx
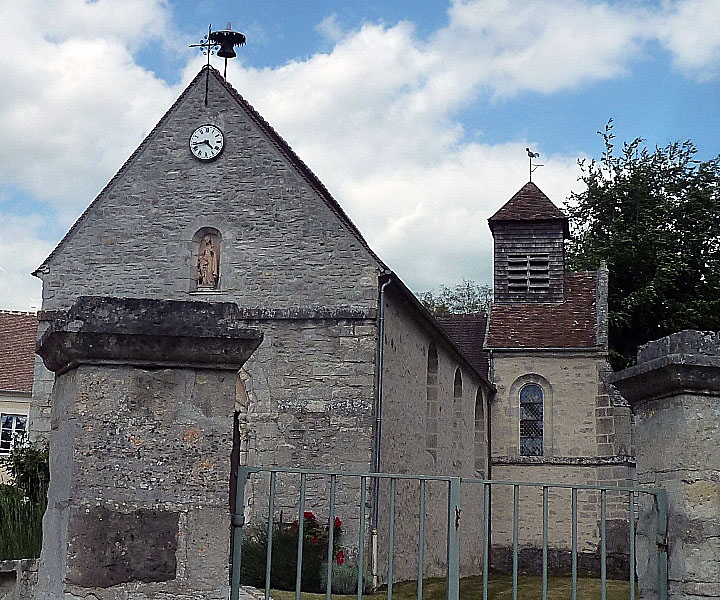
353 373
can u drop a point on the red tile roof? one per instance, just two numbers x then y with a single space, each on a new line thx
529 204
18 331
570 324
468 332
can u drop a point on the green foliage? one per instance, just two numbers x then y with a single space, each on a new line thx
23 503
654 216
345 579
466 297
284 554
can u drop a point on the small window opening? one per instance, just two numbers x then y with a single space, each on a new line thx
531 420
528 272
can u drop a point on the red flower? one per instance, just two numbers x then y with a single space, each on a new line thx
340 557
338 524
294 525
308 515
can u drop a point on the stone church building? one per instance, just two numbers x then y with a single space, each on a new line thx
353 373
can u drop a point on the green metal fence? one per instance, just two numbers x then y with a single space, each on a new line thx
266 487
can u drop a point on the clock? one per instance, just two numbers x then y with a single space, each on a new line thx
206 142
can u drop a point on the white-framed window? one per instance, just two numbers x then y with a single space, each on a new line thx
12 426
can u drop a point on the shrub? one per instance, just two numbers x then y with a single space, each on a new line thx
23 503
345 579
284 554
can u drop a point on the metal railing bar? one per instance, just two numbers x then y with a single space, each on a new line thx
301 537
238 520
421 540
268 557
574 542
516 519
469 480
361 538
603 547
331 537
545 543
391 539
631 523
486 539
550 484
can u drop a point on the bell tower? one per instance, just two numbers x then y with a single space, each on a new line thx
529 258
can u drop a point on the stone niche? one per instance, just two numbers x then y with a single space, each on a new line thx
140 448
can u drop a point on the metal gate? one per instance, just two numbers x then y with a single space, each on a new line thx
409 506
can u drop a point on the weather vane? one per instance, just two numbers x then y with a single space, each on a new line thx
532 155
222 43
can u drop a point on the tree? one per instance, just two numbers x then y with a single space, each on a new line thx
466 297
654 216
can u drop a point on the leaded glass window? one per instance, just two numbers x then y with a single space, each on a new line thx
10 427
531 420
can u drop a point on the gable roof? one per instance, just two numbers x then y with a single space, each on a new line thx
529 204
468 332
284 148
568 324
18 331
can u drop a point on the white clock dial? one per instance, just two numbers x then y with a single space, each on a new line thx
206 142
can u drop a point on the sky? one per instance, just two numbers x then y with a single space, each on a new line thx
414 113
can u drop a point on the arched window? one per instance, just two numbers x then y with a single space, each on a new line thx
207 259
531 420
431 404
479 434
457 408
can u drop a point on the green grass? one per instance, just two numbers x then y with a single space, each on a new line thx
499 586
20 525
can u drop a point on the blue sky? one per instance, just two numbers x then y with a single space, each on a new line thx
414 114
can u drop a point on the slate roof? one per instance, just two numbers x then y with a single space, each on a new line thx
18 331
468 332
569 324
529 204
274 137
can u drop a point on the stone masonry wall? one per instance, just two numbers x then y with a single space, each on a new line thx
404 430
585 439
674 391
281 244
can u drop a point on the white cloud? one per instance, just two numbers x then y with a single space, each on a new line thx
691 31
21 251
375 117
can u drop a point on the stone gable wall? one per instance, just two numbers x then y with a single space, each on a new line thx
281 245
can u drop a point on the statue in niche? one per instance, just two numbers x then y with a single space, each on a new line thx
208 263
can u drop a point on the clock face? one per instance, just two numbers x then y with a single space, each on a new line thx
206 142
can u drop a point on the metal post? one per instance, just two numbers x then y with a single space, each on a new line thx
391 539
603 546
238 520
574 542
486 539
545 543
631 520
661 544
421 540
331 537
361 540
271 514
301 537
516 512
453 540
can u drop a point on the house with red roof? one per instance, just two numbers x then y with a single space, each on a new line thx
18 331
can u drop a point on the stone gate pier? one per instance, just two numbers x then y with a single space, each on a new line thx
141 438
674 391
